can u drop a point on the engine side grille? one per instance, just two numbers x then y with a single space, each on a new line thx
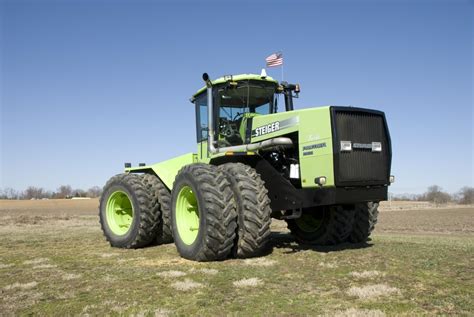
360 166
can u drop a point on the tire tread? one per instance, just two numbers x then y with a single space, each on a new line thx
253 206
219 210
364 221
149 212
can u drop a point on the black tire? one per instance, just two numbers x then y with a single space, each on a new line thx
217 213
364 221
146 211
328 225
253 210
163 195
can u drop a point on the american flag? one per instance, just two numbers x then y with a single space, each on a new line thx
276 59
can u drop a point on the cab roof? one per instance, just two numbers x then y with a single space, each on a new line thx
240 77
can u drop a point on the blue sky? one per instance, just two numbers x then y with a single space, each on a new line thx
89 85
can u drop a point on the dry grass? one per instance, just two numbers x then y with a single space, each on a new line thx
205 271
353 312
24 286
372 291
417 205
19 299
328 265
160 312
248 282
36 261
52 207
171 274
44 266
71 276
108 255
449 221
366 274
163 262
411 271
260 262
186 285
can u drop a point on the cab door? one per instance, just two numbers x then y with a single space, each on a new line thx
202 127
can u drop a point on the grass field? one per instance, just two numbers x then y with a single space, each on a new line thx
54 261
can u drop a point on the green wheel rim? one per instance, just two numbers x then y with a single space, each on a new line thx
119 212
309 222
187 215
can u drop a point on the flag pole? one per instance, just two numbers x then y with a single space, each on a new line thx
282 70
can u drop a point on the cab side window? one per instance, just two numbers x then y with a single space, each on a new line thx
201 117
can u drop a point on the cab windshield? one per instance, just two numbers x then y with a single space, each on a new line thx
237 104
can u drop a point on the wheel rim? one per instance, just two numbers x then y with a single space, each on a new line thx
310 222
187 215
119 211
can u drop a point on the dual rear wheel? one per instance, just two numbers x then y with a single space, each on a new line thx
134 211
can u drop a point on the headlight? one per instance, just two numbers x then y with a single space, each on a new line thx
376 147
346 146
392 179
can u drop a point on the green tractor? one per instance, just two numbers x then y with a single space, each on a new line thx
322 170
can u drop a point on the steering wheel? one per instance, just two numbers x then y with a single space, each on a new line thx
238 116
223 126
227 128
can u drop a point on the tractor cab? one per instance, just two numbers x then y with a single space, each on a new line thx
236 100
237 104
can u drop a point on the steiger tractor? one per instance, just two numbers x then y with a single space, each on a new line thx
322 170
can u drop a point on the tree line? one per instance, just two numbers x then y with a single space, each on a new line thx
437 195
62 192
434 194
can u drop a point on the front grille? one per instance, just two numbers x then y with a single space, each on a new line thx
361 166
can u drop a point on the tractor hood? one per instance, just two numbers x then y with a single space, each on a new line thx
311 124
348 146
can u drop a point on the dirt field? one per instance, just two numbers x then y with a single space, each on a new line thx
54 261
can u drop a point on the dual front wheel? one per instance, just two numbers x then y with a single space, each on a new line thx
331 225
204 214
220 212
